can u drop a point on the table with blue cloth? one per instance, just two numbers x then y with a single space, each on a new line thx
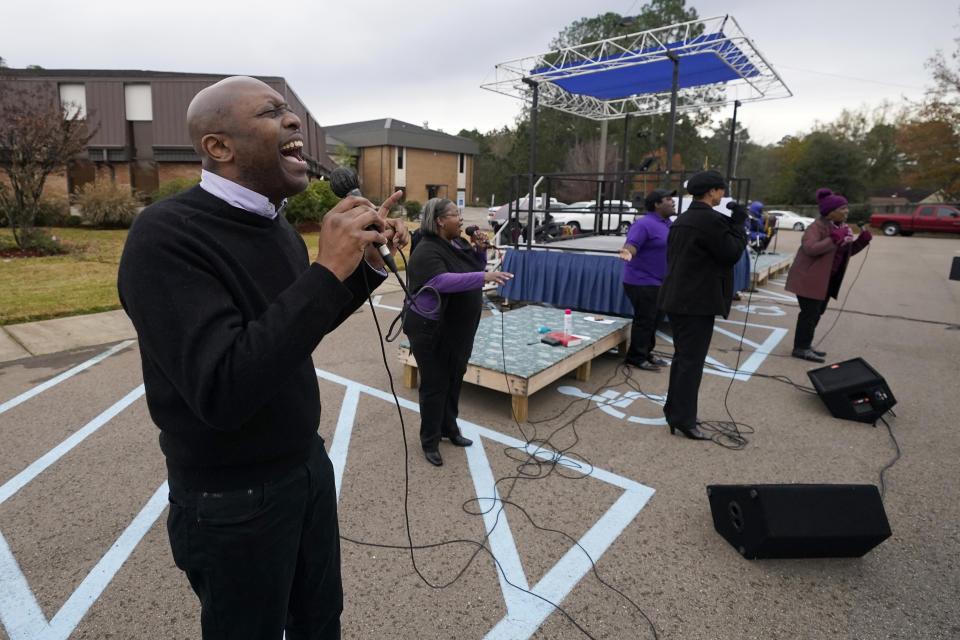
591 282
508 355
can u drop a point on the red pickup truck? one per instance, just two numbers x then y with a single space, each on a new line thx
927 217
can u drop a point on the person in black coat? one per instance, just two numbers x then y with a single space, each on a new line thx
702 249
447 275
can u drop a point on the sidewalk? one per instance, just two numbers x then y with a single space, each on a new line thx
18 341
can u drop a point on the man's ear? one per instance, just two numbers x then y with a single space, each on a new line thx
218 147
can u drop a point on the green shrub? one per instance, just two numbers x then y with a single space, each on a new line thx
73 221
172 188
311 204
105 204
40 241
413 209
52 211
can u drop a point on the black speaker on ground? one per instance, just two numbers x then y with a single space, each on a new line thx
853 390
799 520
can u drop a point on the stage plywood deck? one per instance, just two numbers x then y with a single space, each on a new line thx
509 357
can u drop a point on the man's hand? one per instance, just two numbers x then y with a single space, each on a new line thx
627 252
394 231
500 277
344 235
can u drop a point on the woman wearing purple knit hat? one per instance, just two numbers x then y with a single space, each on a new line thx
818 268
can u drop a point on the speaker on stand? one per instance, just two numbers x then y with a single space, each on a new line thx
853 390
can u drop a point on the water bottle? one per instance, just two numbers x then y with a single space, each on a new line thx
567 322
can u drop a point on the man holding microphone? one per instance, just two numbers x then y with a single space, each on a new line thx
228 310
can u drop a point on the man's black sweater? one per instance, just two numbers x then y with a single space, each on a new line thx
228 310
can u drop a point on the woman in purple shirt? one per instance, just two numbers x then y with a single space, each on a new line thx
645 253
446 277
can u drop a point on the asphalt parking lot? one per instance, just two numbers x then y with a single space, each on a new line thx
613 533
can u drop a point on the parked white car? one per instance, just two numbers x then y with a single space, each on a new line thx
791 220
618 215
496 216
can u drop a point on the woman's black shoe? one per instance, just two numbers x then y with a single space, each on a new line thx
433 457
822 354
693 433
459 441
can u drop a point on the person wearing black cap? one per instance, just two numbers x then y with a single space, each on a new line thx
645 253
702 248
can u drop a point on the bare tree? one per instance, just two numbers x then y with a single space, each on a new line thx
38 136
584 158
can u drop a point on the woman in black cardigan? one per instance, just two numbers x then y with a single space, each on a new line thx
446 277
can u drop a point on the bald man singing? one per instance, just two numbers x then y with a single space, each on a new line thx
228 309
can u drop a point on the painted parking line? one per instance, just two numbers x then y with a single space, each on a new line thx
23 397
21 614
527 607
18 481
23 619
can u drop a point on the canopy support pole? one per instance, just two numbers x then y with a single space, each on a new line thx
673 115
626 156
602 155
531 196
733 131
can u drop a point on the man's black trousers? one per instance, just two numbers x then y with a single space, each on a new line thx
442 361
691 342
266 558
646 319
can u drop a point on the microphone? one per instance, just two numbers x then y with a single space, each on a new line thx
472 229
344 182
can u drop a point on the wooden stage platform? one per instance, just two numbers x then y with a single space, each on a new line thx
767 266
509 357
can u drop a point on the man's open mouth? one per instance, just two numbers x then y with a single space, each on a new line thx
293 149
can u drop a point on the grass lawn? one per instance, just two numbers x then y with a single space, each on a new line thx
82 281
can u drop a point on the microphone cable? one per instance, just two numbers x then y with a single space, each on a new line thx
481 545
849 289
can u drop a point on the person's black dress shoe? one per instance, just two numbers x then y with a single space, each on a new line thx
459 441
657 361
433 457
693 433
807 354
646 365
822 354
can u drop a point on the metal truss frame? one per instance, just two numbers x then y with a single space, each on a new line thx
756 79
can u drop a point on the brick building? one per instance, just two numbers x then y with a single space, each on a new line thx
392 154
142 139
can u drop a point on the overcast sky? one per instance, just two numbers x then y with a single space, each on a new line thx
424 60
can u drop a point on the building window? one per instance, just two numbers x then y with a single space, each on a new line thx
138 102
73 98
462 161
400 154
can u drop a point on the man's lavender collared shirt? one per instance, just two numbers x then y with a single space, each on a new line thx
238 196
